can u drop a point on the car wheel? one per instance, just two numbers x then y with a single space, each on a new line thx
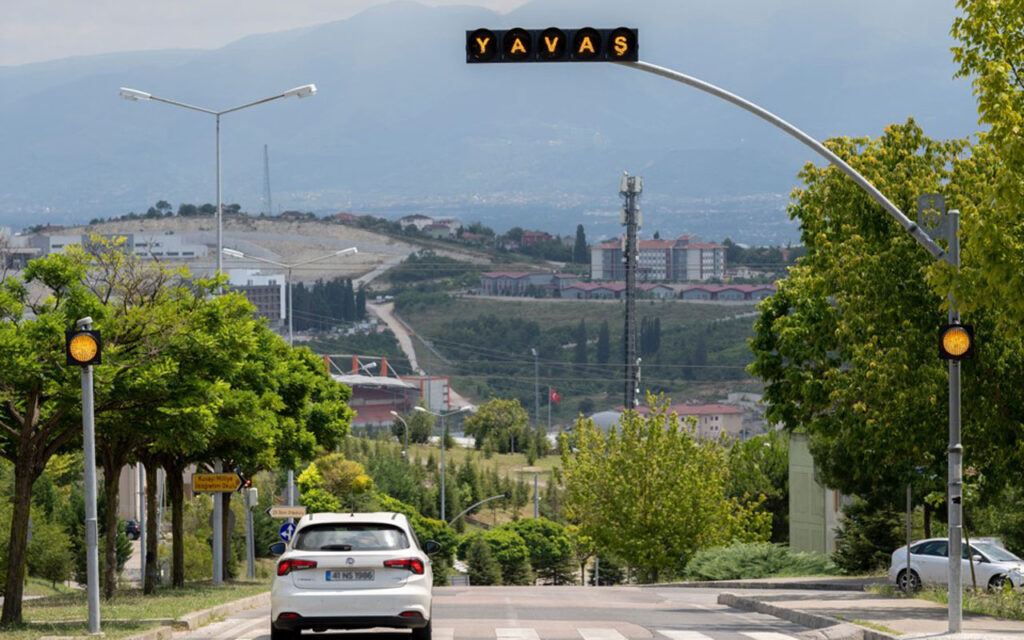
283 634
997 583
906 583
423 633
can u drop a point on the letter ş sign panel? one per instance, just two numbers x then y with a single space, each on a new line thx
552 45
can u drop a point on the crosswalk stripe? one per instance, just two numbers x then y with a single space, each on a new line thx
444 633
601 634
766 635
680 634
516 633
237 631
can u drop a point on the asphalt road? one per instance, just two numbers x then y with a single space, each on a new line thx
552 613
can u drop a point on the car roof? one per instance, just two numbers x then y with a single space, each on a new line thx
373 517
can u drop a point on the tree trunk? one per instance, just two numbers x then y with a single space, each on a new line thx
927 520
226 537
176 487
152 526
112 464
14 588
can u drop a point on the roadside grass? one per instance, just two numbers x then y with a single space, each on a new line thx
128 613
41 587
1007 604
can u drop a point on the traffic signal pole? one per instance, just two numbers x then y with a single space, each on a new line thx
956 451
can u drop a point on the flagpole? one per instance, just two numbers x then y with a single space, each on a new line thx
549 408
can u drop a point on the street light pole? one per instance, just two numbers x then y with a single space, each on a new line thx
298 92
442 416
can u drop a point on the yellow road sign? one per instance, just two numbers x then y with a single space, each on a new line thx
215 482
282 511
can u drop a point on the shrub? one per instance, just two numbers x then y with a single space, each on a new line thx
754 560
867 538
483 567
49 552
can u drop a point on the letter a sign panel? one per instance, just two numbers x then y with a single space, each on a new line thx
552 45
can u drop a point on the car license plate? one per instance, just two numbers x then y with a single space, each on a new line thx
350 576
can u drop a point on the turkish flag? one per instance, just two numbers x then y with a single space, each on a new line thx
554 395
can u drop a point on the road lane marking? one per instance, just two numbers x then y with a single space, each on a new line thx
601 634
680 634
444 633
766 635
516 633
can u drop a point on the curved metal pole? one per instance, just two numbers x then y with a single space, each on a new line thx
910 226
471 507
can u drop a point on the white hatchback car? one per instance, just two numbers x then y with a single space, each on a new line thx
994 566
352 571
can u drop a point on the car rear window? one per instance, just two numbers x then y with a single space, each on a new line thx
350 537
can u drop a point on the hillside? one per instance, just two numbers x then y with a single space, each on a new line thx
485 345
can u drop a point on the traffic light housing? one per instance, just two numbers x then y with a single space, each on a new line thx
956 341
83 347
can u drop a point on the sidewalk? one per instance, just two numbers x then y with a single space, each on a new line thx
880 617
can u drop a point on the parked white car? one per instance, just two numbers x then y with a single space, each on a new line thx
994 566
352 571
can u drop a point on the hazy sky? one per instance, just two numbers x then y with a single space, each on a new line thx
37 30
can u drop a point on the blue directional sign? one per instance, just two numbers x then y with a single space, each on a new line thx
286 531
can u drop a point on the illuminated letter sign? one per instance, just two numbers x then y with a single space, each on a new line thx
517 44
552 45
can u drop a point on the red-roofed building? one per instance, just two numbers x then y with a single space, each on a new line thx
346 218
531 237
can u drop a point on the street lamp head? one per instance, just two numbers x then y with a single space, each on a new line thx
301 92
134 94
393 412
468 408
346 251
420 409
232 253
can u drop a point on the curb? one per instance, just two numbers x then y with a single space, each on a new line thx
196 619
747 584
826 627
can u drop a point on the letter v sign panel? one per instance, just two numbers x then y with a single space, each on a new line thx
552 45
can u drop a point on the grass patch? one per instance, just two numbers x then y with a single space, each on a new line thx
1007 604
127 612
44 588
755 560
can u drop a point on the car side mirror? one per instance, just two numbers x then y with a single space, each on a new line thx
978 559
277 548
431 547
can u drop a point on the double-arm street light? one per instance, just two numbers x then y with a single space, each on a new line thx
234 253
298 92
405 449
444 434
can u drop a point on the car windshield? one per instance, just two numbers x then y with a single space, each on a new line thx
350 537
996 554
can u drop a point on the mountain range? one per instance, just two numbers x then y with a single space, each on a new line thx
402 124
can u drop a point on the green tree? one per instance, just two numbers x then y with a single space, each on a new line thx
483 568
49 554
511 552
502 422
651 493
991 52
759 473
846 348
550 549
580 254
